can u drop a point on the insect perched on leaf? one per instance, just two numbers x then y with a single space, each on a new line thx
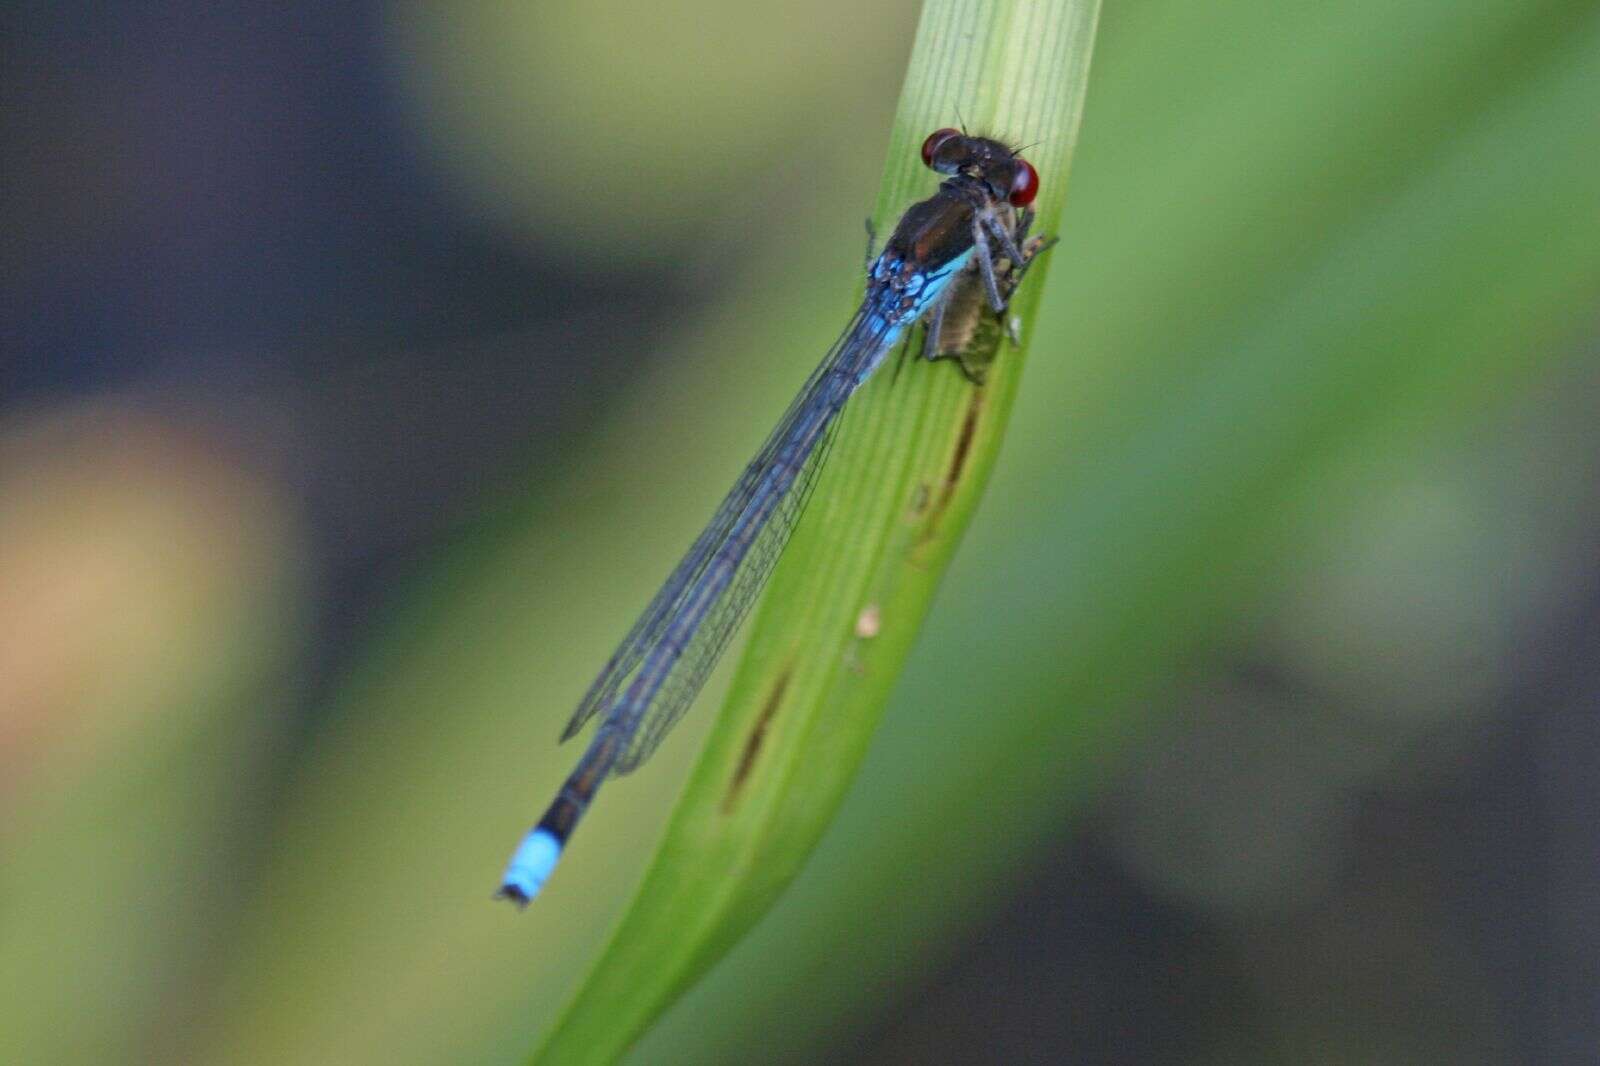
963 248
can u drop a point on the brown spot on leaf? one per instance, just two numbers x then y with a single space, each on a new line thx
920 500
969 429
754 742
958 466
958 461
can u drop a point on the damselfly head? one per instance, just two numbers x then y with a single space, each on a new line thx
1007 175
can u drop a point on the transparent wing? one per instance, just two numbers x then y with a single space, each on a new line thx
686 576
694 638
647 628
699 657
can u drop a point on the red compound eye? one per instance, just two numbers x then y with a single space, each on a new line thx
934 142
1024 184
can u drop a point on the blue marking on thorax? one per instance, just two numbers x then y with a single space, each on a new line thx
886 321
531 864
934 283
923 286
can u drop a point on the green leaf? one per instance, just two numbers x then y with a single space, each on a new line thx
913 453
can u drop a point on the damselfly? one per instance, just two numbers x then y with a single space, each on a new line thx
972 233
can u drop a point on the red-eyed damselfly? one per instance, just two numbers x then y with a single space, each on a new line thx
970 236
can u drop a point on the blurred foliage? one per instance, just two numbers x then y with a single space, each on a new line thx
533 109
149 583
1307 247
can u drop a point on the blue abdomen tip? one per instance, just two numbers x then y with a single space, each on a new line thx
530 866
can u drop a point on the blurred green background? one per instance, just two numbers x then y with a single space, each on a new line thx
364 367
